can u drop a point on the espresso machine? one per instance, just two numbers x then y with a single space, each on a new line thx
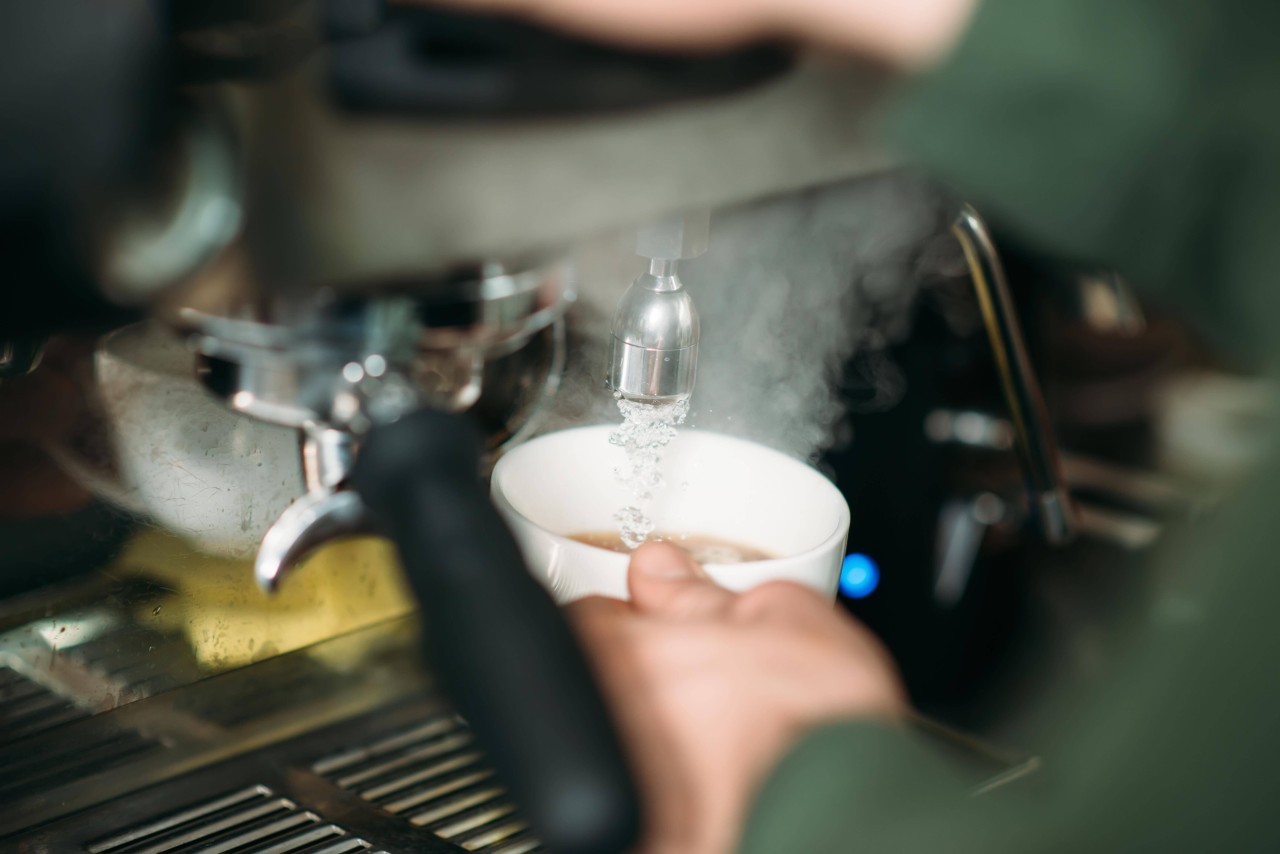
348 216
338 239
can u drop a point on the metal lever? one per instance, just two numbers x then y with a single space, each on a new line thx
1036 444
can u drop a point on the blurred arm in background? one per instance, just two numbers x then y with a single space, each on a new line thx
909 34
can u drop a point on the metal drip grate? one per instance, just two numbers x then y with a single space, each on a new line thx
253 820
28 771
27 707
434 776
137 663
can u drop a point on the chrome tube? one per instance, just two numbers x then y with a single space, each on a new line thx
1035 440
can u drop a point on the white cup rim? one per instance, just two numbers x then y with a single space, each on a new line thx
838 532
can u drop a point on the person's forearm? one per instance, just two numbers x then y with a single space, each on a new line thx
1132 134
910 34
1098 131
867 786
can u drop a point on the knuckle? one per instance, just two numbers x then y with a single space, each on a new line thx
594 613
591 603
774 596
696 600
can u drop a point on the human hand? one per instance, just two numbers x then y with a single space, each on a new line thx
905 33
709 688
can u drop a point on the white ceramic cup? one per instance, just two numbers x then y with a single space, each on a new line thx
564 483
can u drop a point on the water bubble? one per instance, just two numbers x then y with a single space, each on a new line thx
646 429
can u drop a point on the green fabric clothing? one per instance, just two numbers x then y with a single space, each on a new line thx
1145 135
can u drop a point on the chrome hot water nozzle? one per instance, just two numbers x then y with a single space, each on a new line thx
654 354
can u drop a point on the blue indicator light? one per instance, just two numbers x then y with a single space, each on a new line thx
859 576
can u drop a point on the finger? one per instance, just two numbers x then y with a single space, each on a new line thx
781 601
666 582
594 615
707 24
596 604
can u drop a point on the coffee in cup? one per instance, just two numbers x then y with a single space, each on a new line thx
702 548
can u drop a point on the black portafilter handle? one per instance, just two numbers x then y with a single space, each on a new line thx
497 641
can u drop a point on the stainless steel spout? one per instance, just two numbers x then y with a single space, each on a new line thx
336 368
655 338
325 514
654 355
1033 434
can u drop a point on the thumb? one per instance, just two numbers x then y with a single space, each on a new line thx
666 582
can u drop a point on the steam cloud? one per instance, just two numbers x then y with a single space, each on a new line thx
791 290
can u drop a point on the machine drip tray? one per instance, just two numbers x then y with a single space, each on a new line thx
402 778
250 819
123 747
